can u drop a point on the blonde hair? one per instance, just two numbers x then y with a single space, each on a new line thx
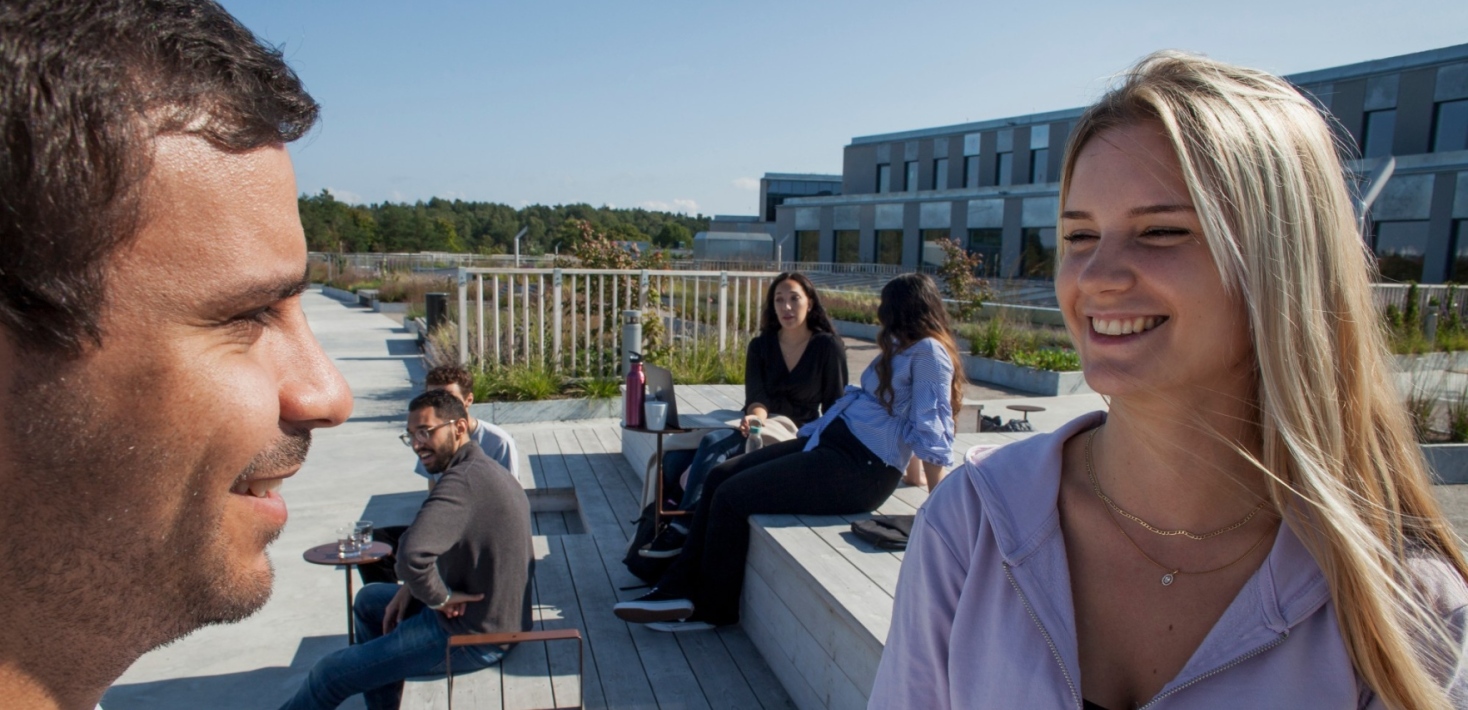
1343 465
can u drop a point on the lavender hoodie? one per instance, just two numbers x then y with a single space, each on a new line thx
984 619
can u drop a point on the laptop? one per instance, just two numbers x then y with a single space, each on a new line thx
660 387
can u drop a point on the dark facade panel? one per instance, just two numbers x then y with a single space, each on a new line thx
988 154
1440 228
1414 112
859 170
1348 104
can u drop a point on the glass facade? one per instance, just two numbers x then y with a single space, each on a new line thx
1004 169
910 181
1459 267
1037 253
1376 140
848 246
889 246
777 191
932 253
808 245
884 178
940 174
988 243
971 171
1040 166
1400 249
1450 126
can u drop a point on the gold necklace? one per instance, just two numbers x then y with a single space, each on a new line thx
1096 486
1169 574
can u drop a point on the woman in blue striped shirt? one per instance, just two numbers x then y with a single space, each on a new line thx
848 461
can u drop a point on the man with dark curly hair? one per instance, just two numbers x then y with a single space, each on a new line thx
159 378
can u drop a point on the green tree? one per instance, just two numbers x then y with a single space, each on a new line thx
673 236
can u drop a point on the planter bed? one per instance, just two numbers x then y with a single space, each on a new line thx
546 410
339 294
1025 379
1449 462
1433 361
382 307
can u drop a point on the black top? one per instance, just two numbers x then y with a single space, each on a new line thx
818 380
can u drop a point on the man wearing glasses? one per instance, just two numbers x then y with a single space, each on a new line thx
465 566
494 441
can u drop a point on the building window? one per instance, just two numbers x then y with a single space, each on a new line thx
1459 266
910 183
1040 166
1450 126
1037 253
889 246
808 245
932 252
940 174
1004 169
971 171
987 243
884 178
1401 247
1376 140
848 246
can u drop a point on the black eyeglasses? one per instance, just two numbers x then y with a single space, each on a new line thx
410 436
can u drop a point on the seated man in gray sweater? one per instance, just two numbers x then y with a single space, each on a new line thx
465 565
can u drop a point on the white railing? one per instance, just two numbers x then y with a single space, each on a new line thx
570 319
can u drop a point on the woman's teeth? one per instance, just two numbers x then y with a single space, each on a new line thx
259 488
1126 326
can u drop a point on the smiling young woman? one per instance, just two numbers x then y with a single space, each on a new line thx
1252 511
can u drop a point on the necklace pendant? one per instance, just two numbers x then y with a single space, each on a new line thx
1167 579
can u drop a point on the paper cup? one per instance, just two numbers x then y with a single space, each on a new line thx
655 415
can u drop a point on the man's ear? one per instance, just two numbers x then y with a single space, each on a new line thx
461 427
468 400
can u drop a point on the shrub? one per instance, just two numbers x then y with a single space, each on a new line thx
1053 359
1422 405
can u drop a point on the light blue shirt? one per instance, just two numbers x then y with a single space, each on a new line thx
497 444
921 421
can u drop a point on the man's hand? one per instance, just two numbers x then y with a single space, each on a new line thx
454 607
397 609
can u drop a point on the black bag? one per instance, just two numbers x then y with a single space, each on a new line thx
887 532
647 569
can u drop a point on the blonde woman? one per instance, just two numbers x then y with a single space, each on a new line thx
1251 524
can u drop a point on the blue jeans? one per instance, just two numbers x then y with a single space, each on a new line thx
378 664
716 447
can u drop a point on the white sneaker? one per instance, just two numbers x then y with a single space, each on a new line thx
675 627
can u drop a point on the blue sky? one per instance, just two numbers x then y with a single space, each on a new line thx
683 105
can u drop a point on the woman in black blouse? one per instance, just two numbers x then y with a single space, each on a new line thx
795 367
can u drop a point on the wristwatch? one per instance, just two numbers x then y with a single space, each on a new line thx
442 604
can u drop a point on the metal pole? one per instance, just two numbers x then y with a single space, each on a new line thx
556 310
463 277
479 281
631 337
496 298
723 308
540 301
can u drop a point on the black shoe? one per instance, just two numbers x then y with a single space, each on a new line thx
656 605
664 546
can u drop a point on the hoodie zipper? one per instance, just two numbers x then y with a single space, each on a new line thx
1284 635
1048 641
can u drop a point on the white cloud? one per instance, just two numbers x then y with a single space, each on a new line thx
747 183
681 205
346 196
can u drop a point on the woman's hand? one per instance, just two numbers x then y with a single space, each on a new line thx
749 421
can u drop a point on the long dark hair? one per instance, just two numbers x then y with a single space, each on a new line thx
816 319
912 309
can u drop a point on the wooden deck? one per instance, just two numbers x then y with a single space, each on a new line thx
578 579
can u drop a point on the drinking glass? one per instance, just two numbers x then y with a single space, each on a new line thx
363 530
346 543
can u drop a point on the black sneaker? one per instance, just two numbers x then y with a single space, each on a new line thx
666 545
656 605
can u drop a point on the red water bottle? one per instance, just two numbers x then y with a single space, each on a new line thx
636 386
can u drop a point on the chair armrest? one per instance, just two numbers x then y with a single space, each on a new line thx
514 637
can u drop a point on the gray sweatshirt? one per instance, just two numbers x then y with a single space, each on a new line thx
472 535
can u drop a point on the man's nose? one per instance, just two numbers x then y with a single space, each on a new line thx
313 392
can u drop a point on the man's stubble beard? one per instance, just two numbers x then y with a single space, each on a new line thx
107 560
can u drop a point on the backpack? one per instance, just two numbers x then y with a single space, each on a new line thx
647 569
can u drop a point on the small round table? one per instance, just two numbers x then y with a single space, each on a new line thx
327 555
1026 408
658 512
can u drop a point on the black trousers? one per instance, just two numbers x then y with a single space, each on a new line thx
839 477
